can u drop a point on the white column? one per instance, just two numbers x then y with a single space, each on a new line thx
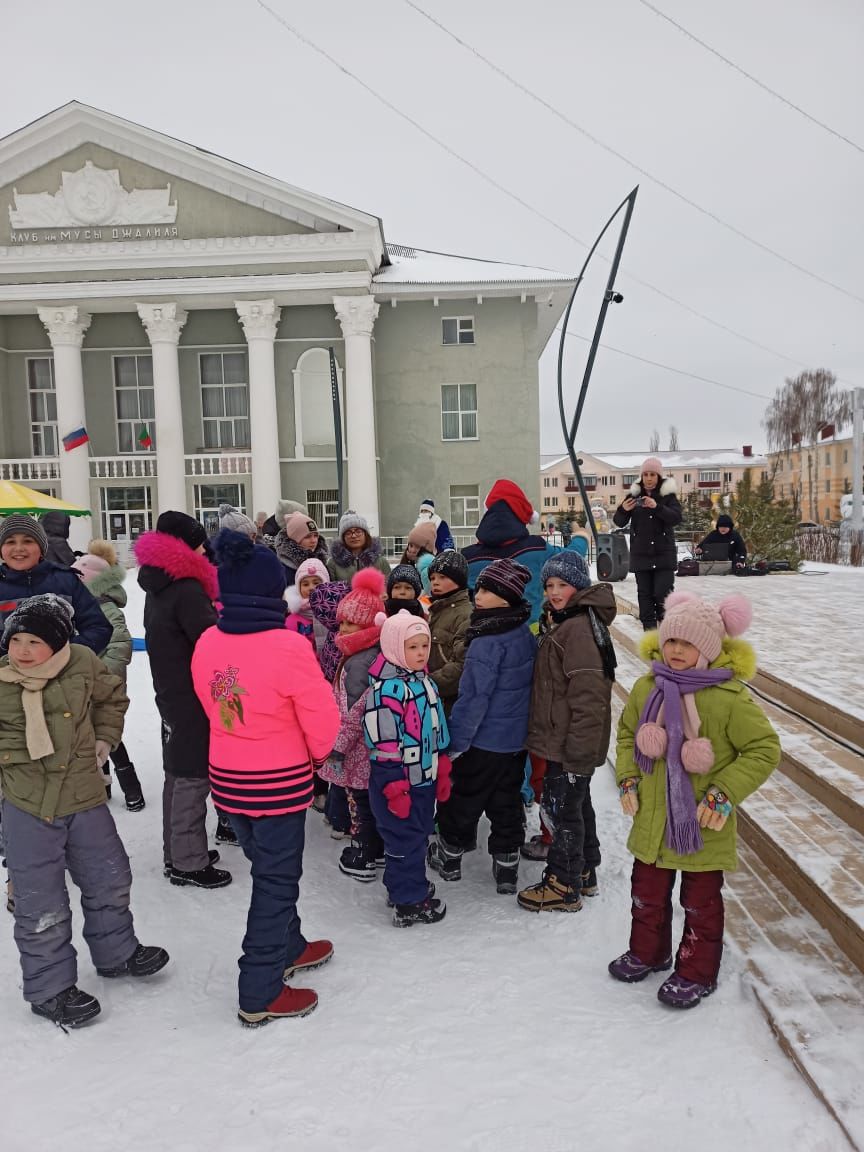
164 323
260 318
357 316
66 328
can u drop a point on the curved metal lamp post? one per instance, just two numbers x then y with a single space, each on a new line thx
610 296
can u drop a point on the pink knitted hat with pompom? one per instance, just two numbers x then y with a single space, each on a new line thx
365 600
396 631
312 567
704 625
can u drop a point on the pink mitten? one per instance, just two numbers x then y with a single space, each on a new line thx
444 785
398 796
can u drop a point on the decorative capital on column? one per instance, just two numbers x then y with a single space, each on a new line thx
259 318
65 325
163 322
356 314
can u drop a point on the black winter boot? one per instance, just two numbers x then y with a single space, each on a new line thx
68 1009
428 911
505 869
445 859
144 961
130 786
357 861
225 833
208 877
212 856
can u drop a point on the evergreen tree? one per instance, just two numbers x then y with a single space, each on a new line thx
767 526
696 519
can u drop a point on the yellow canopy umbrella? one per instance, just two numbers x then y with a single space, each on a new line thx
19 498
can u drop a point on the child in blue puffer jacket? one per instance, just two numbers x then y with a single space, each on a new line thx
488 729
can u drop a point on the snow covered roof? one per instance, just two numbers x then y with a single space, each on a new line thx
695 458
415 266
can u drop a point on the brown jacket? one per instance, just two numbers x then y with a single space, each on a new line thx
571 710
448 622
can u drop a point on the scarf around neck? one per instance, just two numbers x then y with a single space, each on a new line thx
353 642
682 827
599 630
32 682
244 614
494 621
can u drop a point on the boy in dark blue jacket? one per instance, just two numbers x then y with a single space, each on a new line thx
488 728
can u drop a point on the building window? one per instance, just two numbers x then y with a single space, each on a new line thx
571 501
458 411
43 406
546 482
133 400
613 500
827 485
323 505
315 429
727 477
709 477
688 478
457 330
828 458
126 512
845 456
225 399
590 483
208 497
465 505
630 478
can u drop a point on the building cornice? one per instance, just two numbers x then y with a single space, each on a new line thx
212 252
189 291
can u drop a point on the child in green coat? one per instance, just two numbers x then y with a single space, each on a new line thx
692 745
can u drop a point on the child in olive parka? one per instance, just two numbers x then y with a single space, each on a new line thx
692 745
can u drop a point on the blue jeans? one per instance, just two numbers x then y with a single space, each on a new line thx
273 940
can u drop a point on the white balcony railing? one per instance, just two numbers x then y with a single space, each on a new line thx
140 467
27 471
219 464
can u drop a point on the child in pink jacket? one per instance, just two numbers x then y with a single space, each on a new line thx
311 574
272 717
360 615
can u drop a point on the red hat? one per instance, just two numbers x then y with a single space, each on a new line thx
515 499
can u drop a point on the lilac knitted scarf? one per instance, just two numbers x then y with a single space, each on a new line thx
682 827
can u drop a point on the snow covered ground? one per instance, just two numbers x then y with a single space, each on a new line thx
495 1030
808 627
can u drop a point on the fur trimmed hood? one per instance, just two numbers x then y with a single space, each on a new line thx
292 555
176 560
296 603
109 584
668 487
736 654
345 558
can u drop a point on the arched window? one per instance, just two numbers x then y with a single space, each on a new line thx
313 406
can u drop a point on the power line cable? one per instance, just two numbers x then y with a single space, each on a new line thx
514 196
668 367
753 79
571 123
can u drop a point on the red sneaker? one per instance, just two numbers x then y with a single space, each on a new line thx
289 1002
316 953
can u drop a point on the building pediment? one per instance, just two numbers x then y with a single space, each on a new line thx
81 176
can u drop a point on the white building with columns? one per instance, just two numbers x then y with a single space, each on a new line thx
182 309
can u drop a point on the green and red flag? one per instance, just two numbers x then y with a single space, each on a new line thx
144 438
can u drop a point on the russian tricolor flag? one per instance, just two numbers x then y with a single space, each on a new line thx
75 439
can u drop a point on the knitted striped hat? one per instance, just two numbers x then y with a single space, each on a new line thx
505 578
17 524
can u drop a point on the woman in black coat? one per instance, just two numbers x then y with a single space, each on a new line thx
652 510
180 585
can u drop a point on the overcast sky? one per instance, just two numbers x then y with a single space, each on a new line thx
227 77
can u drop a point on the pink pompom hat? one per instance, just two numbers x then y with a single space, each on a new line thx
704 625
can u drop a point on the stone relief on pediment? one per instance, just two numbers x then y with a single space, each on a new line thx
92 196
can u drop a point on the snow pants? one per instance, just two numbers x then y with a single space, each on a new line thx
336 808
489 782
652 587
405 841
566 810
701 898
184 829
364 831
38 854
273 941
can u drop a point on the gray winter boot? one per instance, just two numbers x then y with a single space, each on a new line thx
445 859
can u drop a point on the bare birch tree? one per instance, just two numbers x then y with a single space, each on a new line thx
799 411
673 438
654 442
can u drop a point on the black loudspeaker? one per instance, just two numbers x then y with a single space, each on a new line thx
613 556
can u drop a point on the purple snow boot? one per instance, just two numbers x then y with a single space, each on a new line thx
679 992
630 969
